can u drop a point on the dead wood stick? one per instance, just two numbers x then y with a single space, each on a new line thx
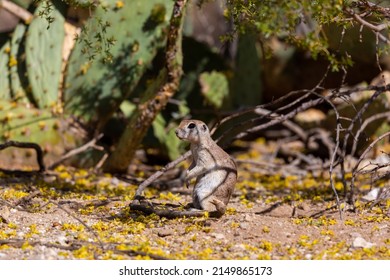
375 28
279 119
27 145
156 175
364 125
334 153
16 10
78 219
26 198
355 170
167 213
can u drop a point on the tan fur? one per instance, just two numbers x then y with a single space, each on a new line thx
215 171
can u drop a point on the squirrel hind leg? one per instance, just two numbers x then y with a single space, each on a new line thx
214 206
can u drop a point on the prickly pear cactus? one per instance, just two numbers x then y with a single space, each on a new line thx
214 87
4 70
246 84
93 89
15 64
24 123
23 3
43 57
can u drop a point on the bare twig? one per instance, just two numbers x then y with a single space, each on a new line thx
80 221
79 150
16 10
364 125
149 209
156 175
378 90
278 120
374 28
26 198
355 169
101 162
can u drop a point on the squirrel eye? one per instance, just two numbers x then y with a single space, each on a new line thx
191 126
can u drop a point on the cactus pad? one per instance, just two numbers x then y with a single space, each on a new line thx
94 89
43 57
4 69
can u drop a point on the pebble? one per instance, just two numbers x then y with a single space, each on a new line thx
304 207
372 195
248 218
360 242
308 256
62 240
282 211
4 214
239 247
244 225
165 232
218 235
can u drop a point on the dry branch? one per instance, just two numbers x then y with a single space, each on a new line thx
16 10
80 221
156 175
355 168
170 213
365 124
79 150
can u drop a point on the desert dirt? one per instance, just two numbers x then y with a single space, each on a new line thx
72 213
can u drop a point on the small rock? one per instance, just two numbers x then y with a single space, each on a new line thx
248 218
244 225
372 195
62 240
239 247
3 256
4 214
304 206
115 181
360 242
383 227
49 179
282 211
308 256
218 235
165 232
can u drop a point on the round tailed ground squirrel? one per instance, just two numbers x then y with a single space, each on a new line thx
215 171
